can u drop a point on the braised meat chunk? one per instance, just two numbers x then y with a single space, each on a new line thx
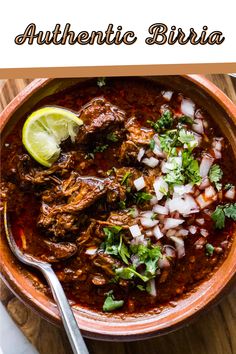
58 251
98 116
62 204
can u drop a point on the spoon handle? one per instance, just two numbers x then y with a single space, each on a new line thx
74 335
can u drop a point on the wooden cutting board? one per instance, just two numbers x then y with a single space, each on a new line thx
213 333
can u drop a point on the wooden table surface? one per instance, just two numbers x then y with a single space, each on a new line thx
213 333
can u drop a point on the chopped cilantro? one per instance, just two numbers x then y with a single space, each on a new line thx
114 244
141 287
187 173
169 140
191 168
215 175
142 197
163 123
128 273
110 304
209 249
187 138
185 120
152 144
149 256
222 211
101 81
228 186
123 251
122 204
132 212
112 137
219 217
230 211
125 177
100 148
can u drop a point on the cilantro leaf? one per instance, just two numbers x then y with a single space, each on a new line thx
188 138
191 168
122 204
222 211
169 140
123 251
218 216
215 175
187 173
163 123
128 273
230 211
112 137
185 120
142 197
228 186
126 176
114 244
101 81
152 144
110 304
209 249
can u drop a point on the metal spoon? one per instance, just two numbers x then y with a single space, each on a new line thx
74 335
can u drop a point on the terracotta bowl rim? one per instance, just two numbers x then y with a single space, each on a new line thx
143 327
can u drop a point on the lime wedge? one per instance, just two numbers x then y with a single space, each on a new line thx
45 129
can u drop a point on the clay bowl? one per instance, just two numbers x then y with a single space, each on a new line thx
113 327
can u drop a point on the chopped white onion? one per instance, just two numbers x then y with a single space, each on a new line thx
171 223
149 233
184 205
191 202
179 245
217 143
157 232
210 192
205 165
230 194
151 162
182 232
192 229
200 221
217 154
158 152
198 126
147 219
157 140
180 190
202 201
151 286
169 251
140 154
160 186
204 232
167 95
159 209
135 230
91 251
187 107
163 262
139 183
139 240
205 183
154 200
